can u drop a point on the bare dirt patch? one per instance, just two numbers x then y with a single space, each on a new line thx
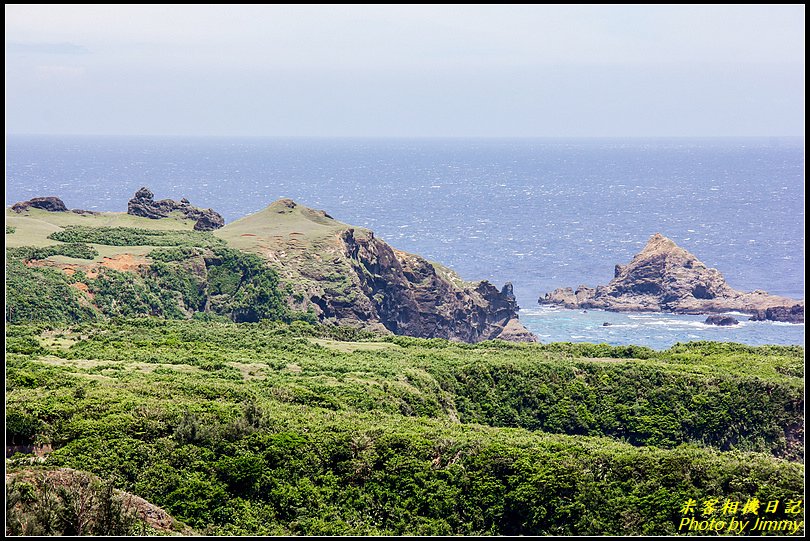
81 286
124 262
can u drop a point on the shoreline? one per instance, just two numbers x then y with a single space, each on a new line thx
657 330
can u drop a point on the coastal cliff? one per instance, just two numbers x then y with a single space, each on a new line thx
349 276
664 277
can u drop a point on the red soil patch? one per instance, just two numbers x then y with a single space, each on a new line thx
83 288
124 262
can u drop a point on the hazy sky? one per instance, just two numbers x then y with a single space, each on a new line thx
405 70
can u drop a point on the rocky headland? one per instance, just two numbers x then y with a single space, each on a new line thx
664 277
347 275
340 273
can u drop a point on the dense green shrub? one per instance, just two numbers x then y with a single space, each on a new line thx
42 294
179 253
28 253
67 503
133 236
279 429
250 286
119 293
182 281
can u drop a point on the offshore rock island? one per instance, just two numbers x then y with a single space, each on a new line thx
664 277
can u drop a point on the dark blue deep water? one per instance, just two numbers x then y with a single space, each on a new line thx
542 213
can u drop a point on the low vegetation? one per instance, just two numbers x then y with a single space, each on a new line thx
274 428
133 236
66 502
183 281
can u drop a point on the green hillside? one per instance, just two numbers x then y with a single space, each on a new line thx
297 429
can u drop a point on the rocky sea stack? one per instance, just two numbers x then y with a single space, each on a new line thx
721 320
664 277
144 204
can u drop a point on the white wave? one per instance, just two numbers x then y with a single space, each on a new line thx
540 311
674 323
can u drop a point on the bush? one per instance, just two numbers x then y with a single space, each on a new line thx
132 236
250 288
180 253
42 294
28 253
67 503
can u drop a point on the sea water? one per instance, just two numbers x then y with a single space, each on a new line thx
541 213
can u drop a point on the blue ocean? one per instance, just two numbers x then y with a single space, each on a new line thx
541 213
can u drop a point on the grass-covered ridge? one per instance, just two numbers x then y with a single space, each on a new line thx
272 428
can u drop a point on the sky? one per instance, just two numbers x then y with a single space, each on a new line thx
405 71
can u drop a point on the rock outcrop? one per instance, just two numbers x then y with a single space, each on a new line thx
144 204
664 277
349 276
721 320
785 314
51 204
409 297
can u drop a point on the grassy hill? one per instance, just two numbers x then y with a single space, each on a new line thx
63 266
33 226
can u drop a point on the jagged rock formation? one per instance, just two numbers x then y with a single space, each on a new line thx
349 276
144 204
721 320
664 277
786 314
51 204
